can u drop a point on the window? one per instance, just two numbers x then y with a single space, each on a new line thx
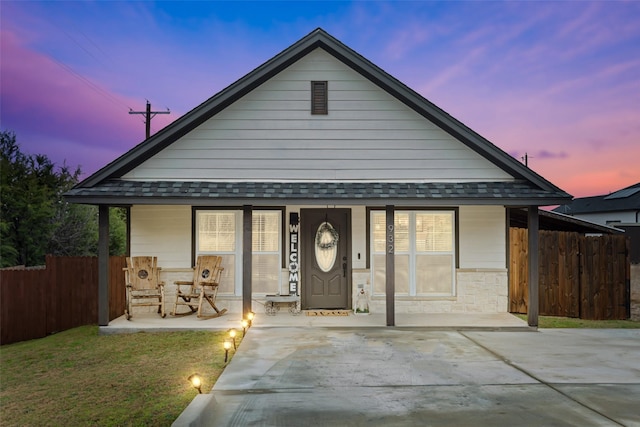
265 263
424 253
220 233
217 234
319 101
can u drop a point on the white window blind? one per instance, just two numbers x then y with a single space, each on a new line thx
216 231
424 252
217 234
265 262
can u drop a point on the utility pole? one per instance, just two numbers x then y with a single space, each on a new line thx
148 116
525 159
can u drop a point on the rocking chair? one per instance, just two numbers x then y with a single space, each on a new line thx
143 285
203 287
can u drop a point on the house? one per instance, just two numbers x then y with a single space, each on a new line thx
619 207
318 174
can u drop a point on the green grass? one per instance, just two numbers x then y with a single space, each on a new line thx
569 322
80 378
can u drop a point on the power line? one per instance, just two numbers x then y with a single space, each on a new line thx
83 79
148 116
89 83
98 60
100 54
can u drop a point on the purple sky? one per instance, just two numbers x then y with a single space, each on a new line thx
557 80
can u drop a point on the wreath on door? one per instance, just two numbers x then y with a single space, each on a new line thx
326 237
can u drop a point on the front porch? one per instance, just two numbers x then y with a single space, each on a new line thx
148 322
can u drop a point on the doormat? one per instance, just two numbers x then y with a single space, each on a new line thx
328 313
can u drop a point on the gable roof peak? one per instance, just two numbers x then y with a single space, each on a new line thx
315 39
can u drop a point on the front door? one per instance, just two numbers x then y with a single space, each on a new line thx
326 266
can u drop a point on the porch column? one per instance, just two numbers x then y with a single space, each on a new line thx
247 251
533 235
390 289
103 265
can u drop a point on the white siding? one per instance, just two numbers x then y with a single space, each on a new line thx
358 237
270 134
162 231
609 218
482 237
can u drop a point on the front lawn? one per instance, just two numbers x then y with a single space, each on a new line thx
78 378
569 322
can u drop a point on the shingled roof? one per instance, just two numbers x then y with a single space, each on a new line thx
627 199
105 185
256 193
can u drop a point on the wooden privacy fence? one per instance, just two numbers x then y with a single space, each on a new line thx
38 301
587 277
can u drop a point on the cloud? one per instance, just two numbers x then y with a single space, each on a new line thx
559 81
544 154
44 99
405 40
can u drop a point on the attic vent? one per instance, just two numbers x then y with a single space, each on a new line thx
319 98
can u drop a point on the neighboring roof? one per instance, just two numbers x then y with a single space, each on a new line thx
626 199
320 39
558 222
632 231
256 193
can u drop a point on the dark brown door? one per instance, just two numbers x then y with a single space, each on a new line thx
326 266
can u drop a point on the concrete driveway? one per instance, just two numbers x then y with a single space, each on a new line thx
420 377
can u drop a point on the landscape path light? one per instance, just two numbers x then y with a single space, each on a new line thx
227 346
232 335
196 382
245 325
250 316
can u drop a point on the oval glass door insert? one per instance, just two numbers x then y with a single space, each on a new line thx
326 246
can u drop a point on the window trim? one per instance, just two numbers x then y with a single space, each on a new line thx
283 225
412 253
280 252
237 253
456 228
238 209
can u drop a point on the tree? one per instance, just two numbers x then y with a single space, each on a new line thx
76 231
28 191
117 231
35 220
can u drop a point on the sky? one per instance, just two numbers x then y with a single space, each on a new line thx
557 81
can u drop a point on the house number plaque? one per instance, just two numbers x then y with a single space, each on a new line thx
390 245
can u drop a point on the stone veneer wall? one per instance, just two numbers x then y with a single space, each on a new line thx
478 291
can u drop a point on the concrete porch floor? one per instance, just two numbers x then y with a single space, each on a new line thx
149 322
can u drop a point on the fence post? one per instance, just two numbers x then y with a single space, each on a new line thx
534 304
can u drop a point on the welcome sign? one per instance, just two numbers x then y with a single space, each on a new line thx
294 263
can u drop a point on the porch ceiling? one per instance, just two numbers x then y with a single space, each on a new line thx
203 193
